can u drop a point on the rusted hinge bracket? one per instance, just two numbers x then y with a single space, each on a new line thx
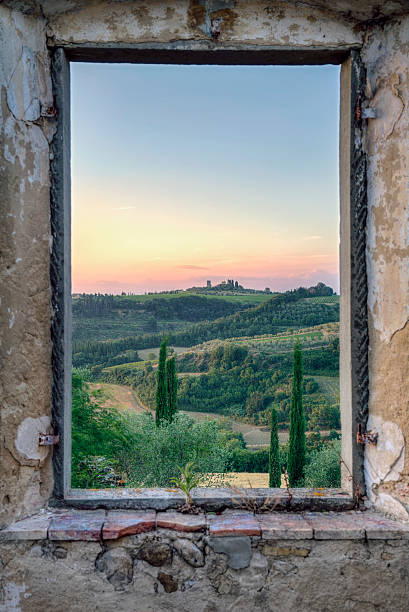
48 440
50 112
368 437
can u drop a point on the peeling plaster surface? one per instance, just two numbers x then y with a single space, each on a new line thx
385 463
28 433
386 54
282 23
25 352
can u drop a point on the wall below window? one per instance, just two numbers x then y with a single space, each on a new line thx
235 561
27 128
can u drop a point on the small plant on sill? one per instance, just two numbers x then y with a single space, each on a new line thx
188 480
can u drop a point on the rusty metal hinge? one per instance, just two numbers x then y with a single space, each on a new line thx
48 440
368 437
50 112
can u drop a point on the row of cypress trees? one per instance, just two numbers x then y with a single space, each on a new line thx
296 450
166 387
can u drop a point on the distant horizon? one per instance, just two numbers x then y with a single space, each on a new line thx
198 286
204 172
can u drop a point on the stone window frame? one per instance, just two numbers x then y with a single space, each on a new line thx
354 383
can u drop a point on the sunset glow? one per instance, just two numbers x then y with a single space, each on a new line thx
203 173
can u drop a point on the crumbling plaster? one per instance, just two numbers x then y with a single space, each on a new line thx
386 55
26 28
25 87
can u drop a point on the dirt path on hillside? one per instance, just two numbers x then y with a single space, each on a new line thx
120 397
123 398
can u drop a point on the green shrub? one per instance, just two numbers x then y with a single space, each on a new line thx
157 452
323 469
242 460
108 445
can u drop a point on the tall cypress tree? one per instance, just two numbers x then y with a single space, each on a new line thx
274 456
162 384
172 382
296 452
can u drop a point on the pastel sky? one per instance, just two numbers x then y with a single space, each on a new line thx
186 173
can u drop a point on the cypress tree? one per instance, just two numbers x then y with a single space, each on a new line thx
274 457
161 384
296 452
172 383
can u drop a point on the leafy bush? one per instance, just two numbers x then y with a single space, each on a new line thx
97 432
243 460
323 469
108 445
157 451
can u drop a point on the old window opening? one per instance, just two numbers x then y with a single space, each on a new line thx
124 368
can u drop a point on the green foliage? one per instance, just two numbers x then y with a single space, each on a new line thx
157 451
296 454
279 313
187 480
162 385
172 383
325 416
323 469
97 472
97 432
274 468
105 442
243 460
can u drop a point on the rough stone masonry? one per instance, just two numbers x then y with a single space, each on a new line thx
364 576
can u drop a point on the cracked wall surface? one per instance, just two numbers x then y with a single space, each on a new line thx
25 237
386 54
25 86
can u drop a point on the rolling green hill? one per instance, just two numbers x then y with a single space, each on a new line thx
278 314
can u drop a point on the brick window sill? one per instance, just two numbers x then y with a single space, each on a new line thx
100 525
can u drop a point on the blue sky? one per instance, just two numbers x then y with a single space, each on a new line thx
187 173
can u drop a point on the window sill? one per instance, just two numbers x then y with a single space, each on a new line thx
99 525
208 499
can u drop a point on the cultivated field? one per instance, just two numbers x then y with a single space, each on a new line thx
309 337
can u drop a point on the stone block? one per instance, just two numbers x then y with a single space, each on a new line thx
181 522
234 524
336 525
155 553
117 566
81 525
269 550
118 524
168 582
237 549
32 528
284 526
377 527
189 552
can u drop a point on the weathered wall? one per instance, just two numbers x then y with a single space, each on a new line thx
25 351
386 54
25 236
184 572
